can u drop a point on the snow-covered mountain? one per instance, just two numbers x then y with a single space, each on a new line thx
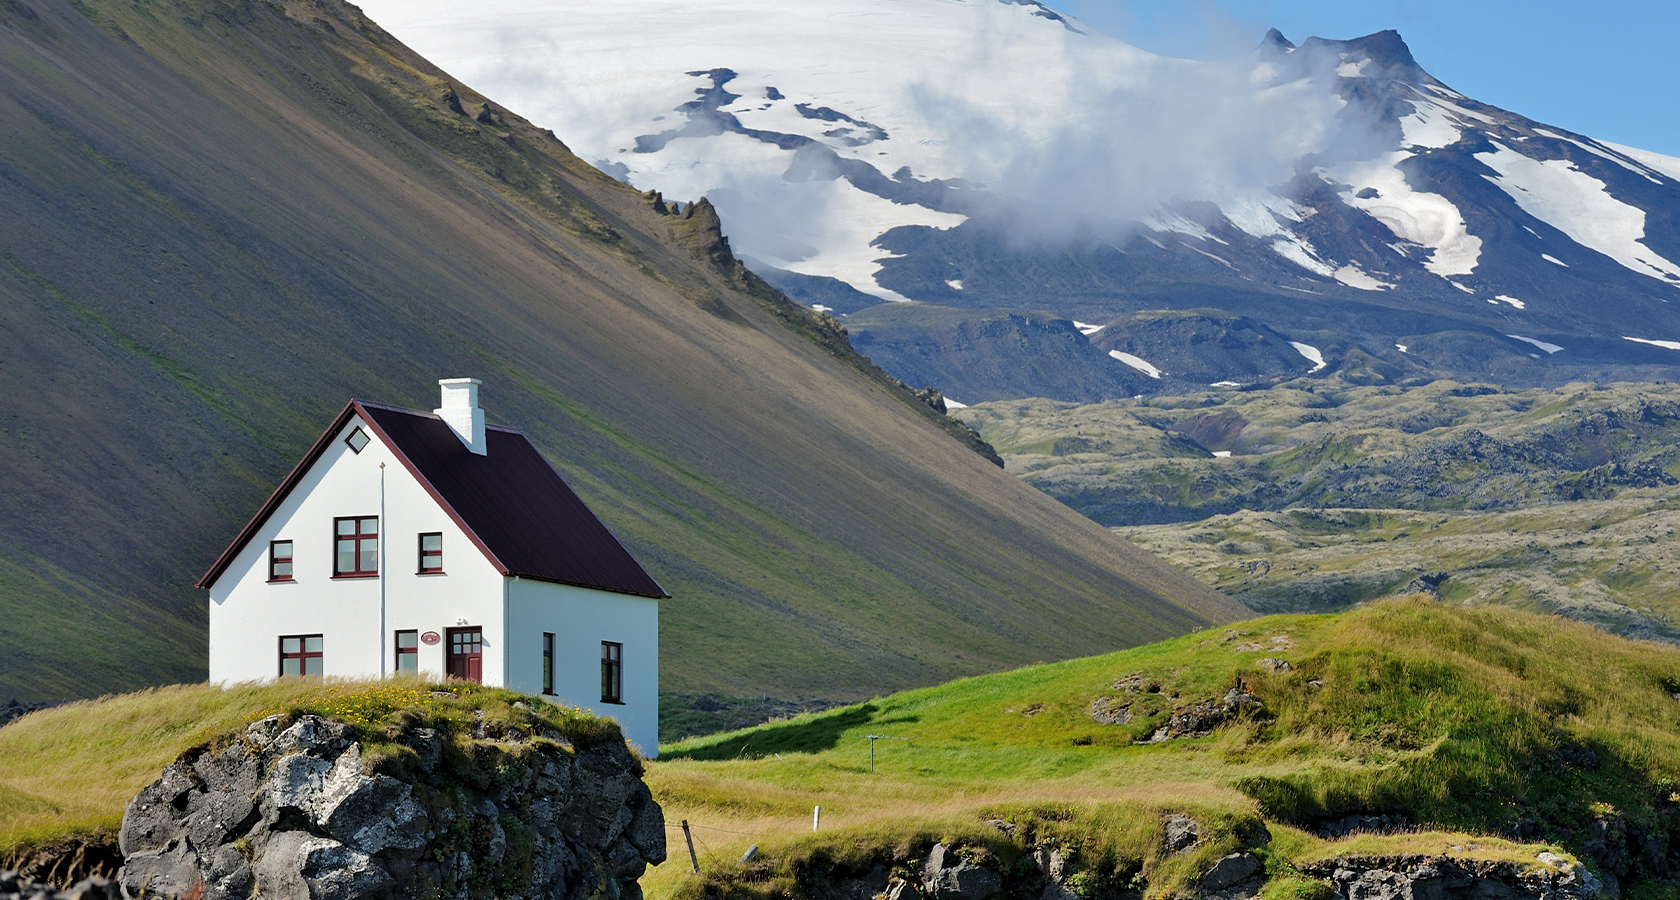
1078 218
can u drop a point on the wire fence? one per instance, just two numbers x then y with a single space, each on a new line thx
712 858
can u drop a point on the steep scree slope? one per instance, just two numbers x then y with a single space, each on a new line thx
221 218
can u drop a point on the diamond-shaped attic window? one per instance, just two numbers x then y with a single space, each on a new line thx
357 439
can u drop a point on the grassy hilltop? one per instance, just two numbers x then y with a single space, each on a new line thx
67 773
1468 723
1494 733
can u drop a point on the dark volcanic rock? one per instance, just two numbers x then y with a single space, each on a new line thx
292 809
1199 347
1440 878
16 887
991 354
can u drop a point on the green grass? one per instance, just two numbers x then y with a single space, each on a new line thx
1466 721
1469 722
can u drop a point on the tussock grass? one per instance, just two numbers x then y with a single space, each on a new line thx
1465 721
71 770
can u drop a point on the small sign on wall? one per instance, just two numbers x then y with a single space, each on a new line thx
430 638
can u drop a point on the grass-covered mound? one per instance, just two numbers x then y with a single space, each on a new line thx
1470 724
67 773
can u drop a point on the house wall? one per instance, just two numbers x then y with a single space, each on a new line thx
580 619
248 614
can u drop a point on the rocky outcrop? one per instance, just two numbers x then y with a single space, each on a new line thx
290 810
948 876
1440 878
1202 717
14 886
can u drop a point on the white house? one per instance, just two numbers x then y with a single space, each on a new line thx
408 541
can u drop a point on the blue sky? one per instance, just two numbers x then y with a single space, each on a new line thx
1609 70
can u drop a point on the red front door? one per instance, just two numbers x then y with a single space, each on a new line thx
466 654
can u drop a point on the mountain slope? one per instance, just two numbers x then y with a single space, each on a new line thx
995 158
221 218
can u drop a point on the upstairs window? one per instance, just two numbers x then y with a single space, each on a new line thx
300 654
279 560
408 652
431 553
357 542
612 672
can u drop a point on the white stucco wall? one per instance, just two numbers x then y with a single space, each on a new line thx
580 619
248 614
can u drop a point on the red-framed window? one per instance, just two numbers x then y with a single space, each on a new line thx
431 553
279 560
466 654
548 663
408 652
356 540
612 672
300 654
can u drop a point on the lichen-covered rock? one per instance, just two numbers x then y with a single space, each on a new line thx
1231 871
290 812
947 876
1182 833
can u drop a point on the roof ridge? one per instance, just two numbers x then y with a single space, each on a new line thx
391 408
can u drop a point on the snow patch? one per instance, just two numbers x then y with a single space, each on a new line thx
1462 287
1618 160
1401 347
1656 162
1429 126
1172 222
954 284
1666 345
952 404
1353 276
1258 215
1234 384
1552 259
1507 298
1087 328
1221 454
1579 205
1136 363
821 308
1298 251
1218 259
1549 348
1428 220
1312 355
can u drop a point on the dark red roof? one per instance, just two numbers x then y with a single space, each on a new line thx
510 502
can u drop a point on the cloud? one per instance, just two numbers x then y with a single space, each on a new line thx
1110 144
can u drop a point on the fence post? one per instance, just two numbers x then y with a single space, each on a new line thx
692 859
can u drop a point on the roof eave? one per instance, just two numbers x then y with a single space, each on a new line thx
279 496
662 595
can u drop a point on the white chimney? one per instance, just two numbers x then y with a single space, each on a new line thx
461 411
